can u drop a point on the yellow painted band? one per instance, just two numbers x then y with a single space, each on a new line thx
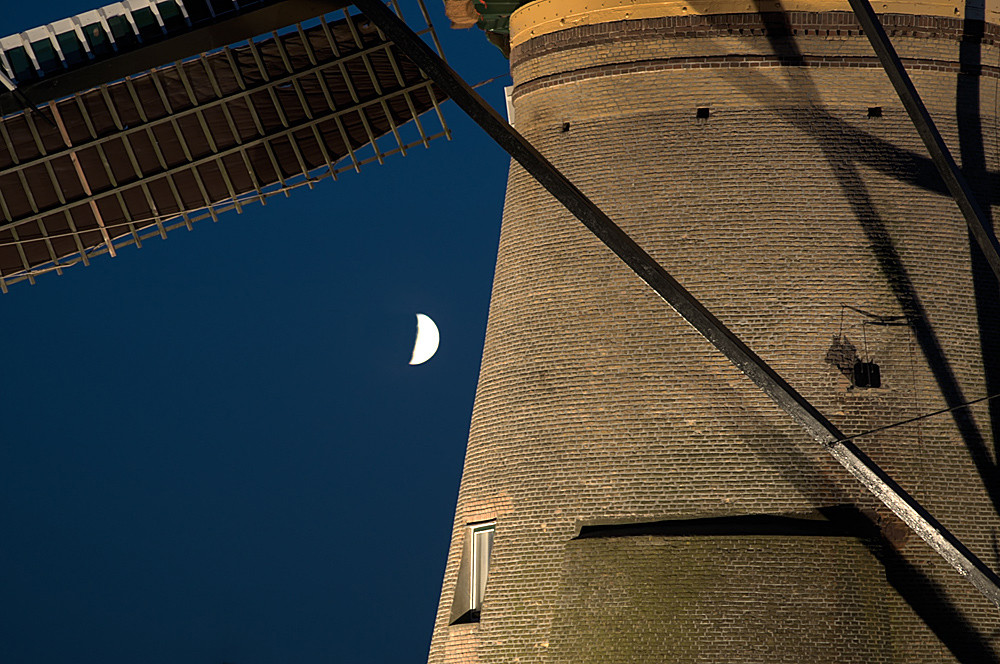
542 17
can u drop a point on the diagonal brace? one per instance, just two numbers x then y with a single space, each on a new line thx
821 429
945 163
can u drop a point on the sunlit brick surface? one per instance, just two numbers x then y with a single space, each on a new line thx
598 404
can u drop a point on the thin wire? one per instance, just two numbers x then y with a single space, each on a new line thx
876 319
919 417
242 198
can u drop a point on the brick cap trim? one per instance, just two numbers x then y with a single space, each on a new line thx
743 62
542 17
788 24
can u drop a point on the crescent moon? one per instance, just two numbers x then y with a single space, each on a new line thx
428 339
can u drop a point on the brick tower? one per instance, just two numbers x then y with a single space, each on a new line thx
628 495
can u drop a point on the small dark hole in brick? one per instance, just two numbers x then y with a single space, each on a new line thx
867 375
702 113
565 127
874 111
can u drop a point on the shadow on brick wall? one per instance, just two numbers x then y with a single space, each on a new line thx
843 147
984 185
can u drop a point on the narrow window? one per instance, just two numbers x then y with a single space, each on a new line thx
473 571
482 546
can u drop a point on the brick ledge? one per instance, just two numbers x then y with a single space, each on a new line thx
770 24
744 62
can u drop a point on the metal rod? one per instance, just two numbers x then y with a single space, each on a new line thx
22 256
311 54
132 158
206 132
82 176
346 75
48 246
945 163
695 313
371 74
333 107
277 107
231 122
75 232
248 100
137 100
108 170
280 106
409 102
54 181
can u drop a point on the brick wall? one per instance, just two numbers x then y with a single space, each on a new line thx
598 404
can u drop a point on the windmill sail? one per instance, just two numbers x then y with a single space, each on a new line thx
136 157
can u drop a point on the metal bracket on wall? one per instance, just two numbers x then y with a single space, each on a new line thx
945 163
803 412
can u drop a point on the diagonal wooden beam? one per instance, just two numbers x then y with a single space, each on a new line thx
794 404
945 163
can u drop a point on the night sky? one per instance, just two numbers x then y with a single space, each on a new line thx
212 448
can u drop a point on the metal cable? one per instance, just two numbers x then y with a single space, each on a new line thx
920 417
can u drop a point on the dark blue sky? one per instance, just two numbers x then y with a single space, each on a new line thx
212 449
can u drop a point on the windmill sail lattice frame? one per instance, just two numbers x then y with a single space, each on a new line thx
137 157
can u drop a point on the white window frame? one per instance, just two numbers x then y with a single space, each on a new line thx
480 575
